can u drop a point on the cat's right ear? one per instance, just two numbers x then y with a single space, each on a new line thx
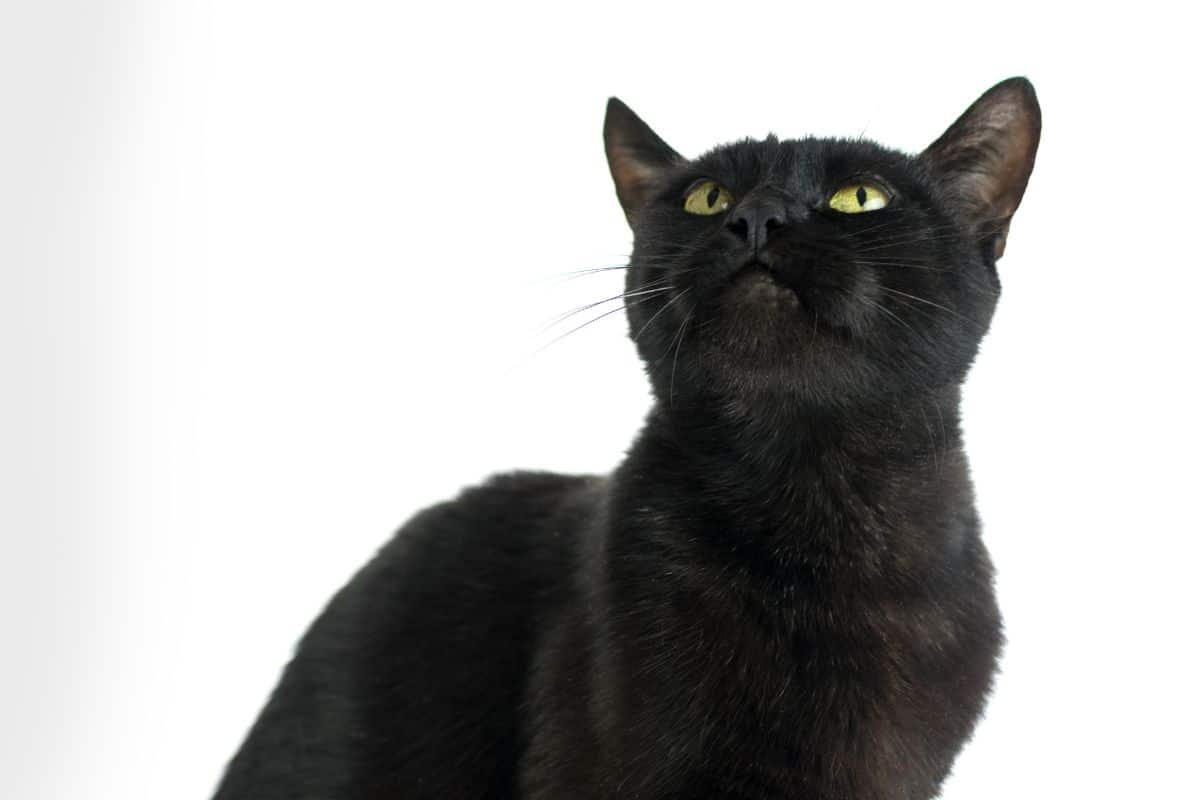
637 157
986 157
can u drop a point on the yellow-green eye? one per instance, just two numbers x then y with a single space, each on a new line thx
859 196
707 198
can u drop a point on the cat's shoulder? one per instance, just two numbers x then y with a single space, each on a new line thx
511 498
487 552
527 486
507 515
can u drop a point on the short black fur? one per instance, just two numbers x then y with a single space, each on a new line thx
781 592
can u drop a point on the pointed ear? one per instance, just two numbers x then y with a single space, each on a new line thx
636 156
986 156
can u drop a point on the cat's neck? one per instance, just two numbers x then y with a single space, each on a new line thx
882 481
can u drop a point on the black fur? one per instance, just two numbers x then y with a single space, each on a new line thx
781 592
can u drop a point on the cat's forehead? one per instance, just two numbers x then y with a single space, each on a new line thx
797 162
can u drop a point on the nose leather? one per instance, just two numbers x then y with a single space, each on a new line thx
754 220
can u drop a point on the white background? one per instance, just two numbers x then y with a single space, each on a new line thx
272 276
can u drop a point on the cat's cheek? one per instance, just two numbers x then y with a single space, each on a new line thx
857 309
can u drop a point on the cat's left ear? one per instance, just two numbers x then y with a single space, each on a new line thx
637 157
985 158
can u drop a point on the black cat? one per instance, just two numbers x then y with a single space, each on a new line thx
782 591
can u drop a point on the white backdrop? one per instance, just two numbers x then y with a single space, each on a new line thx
272 277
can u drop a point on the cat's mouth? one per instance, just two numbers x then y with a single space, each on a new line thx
758 285
760 302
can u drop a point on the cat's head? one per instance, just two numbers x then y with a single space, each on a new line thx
832 271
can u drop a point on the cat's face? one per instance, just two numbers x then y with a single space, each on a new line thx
834 271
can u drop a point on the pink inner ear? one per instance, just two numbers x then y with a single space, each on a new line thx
1002 143
987 155
636 155
631 176
1012 176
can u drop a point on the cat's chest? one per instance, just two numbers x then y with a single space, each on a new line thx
780 654
760 702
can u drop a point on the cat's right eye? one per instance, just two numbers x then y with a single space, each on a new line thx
707 198
859 196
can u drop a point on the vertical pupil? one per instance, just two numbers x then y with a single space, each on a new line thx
713 195
861 196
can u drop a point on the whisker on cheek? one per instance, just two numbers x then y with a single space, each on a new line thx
675 361
938 306
608 313
666 305
659 286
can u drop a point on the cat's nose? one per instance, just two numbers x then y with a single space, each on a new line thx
754 222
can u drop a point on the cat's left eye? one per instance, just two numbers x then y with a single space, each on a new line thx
859 196
707 198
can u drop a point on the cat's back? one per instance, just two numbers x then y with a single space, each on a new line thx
413 674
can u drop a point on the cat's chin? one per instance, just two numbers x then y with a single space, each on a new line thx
759 331
761 317
756 291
